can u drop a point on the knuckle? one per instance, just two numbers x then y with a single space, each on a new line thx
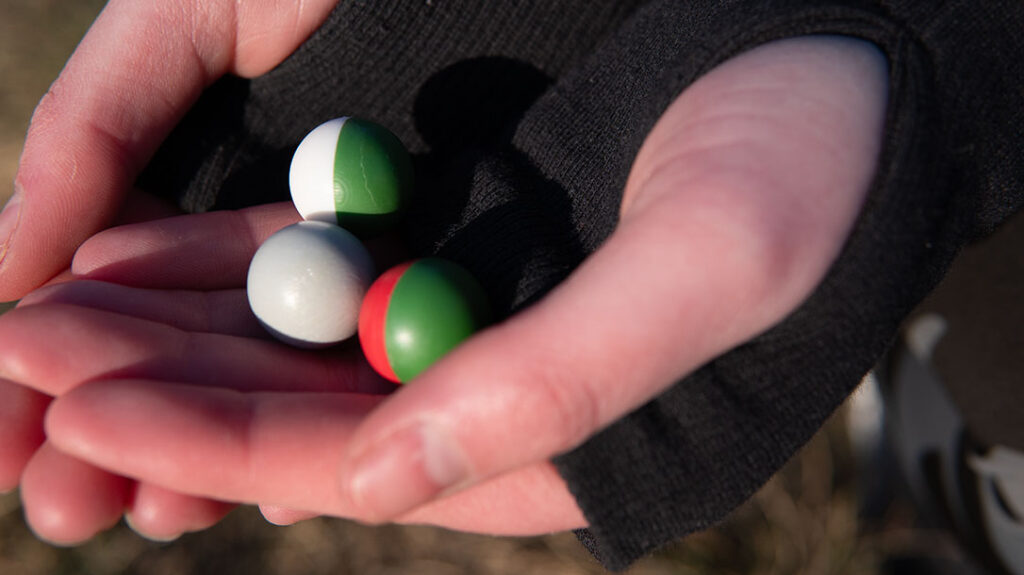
568 400
732 210
48 115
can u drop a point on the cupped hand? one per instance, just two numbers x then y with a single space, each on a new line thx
134 75
198 333
737 204
67 500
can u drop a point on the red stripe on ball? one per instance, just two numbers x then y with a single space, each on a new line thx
373 318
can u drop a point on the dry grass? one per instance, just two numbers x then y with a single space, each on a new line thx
804 521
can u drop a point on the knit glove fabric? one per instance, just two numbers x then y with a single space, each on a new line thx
524 119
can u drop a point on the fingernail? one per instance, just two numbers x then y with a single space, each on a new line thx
130 521
409 468
9 220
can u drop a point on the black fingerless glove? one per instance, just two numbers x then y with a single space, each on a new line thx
524 119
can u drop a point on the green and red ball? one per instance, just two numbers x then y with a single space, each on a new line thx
416 312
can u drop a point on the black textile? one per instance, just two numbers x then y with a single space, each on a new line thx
524 119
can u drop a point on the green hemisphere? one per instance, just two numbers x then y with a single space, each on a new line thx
373 177
435 305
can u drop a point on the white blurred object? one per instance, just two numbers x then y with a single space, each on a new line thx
983 493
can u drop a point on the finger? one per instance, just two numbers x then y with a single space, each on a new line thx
131 79
494 507
67 501
225 312
199 252
757 174
138 207
53 348
279 449
284 516
141 206
21 427
160 514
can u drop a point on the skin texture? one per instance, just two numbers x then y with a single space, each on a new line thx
101 121
754 175
107 113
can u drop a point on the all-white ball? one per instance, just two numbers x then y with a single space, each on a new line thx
306 283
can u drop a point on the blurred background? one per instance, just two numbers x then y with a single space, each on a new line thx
808 519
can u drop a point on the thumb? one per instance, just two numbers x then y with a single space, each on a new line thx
737 203
132 78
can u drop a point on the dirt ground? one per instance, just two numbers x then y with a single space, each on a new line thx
806 520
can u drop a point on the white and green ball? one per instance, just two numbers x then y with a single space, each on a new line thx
352 173
306 284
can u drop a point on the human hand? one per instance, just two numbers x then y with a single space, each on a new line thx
738 202
197 330
113 111
67 500
137 71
